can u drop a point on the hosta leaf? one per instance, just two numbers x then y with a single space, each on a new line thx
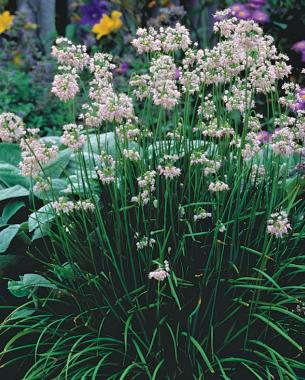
10 210
13 192
7 235
17 288
27 282
44 215
105 142
56 167
32 279
10 175
57 184
41 231
10 153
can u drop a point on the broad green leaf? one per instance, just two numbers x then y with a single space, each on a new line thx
44 215
10 175
7 235
41 231
21 313
10 153
22 288
33 279
55 168
10 210
58 185
17 288
105 142
13 192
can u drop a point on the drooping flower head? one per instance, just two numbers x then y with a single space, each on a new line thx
11 127
278 224
65 86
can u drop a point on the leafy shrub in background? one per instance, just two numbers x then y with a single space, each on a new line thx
26 77
28 95
173 228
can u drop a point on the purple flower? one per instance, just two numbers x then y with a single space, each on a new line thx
301 96
265 137
260 16
240 11
123 68
297 107
300 103
299 46
256 3
92 12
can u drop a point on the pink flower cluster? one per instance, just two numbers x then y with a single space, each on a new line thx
161 84
34 155
161 273
131 154
62 205
65 86
107 173
68 54
201 214
128 131
146 184
218 186
11 127
169 171
106 104
252 145
71 60
278 224
210 166
166 39
214 128
72 137
283 142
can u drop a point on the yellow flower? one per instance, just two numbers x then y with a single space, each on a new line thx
116 18
6 21
108 24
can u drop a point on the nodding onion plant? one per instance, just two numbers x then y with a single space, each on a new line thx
176 248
